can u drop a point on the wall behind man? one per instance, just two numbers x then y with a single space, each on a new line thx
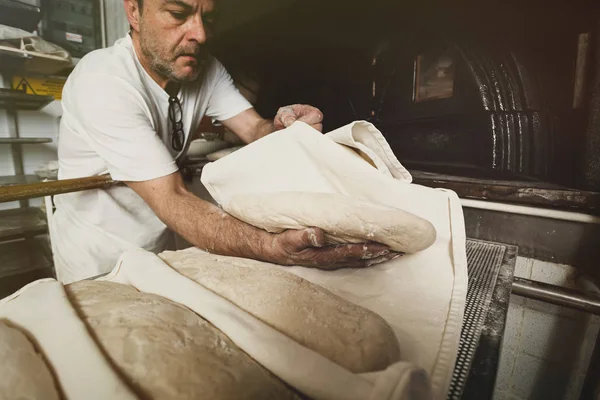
116 23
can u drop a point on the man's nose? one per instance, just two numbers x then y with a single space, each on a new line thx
197 30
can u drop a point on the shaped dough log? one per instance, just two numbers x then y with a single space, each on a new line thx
23 372
167 351
345 333
344 219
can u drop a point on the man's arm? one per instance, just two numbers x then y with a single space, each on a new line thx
208 227
250 126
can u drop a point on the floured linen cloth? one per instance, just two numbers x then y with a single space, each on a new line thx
43 311
421 295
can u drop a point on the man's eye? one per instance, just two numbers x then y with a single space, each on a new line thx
177 15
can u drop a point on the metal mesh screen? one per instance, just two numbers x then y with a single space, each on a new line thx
483 264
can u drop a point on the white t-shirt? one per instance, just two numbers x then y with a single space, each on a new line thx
115 120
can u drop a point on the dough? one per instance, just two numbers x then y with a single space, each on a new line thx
347 334
166 351
344 219
23 372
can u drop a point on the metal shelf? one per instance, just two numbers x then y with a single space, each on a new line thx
22 222
24 261
22 101
16 59
22 140
531 193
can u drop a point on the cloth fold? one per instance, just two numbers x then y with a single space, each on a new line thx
365 138
43 311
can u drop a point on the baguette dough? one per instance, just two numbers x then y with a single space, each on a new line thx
166 351
23 371
345 333
343 218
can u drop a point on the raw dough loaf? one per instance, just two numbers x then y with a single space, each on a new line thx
347 334
344 219
166 351
23 372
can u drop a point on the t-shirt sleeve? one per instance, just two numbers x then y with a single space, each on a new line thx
117 123
225 100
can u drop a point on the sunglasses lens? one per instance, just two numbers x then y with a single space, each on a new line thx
178 140
175 117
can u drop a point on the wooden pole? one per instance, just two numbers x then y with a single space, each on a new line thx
50 188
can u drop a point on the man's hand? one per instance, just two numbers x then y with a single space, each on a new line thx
306 247
286 116
250 126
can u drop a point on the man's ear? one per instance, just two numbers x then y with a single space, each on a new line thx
132 10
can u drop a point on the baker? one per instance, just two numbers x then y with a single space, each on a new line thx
128 110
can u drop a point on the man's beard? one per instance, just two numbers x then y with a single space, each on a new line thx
168 68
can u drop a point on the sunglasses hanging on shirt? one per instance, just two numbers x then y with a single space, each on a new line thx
175 118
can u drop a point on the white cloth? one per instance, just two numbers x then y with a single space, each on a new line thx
421 295
115 120
300 367
43 312
83 372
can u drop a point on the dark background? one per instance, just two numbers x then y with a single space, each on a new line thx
321 52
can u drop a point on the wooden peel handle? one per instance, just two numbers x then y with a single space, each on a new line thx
50 188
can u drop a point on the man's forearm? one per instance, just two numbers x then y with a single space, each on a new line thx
199 222
263 128
250 126
208 227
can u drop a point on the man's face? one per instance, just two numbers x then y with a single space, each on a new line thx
173 36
